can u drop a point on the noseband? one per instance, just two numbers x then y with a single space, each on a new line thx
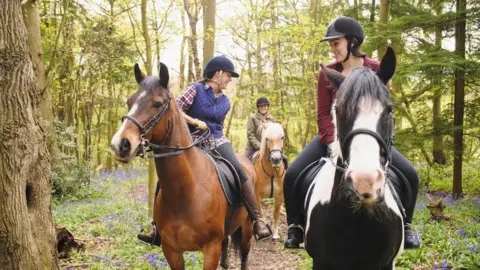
147 146
386 146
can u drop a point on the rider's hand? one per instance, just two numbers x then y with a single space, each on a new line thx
329 149
200 124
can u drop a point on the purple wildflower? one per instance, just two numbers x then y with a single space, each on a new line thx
474 249
435 267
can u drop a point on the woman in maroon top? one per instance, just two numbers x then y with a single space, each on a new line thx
345 36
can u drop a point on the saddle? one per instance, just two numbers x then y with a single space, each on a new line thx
228 177
304 185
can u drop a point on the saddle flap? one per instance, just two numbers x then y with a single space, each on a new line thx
229 179
304 183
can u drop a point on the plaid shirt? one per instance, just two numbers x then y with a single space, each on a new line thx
185 100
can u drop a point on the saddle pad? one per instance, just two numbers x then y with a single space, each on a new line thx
229 179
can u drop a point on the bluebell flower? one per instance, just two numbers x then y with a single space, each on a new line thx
474 249
435 267
445 265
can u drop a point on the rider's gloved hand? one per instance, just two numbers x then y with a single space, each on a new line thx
200 124
329 149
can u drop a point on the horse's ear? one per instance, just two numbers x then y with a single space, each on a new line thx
164 76
336 78
138 73
387 66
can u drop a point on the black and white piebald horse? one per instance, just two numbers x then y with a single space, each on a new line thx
353 219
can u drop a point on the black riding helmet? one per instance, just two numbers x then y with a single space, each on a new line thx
219 63
349 28
262 101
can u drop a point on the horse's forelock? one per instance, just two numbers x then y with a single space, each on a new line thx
272 131
360 84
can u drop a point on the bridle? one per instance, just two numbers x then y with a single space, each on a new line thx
386 153
147 146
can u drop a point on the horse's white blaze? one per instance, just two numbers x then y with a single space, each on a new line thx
116 139
364 149
322 191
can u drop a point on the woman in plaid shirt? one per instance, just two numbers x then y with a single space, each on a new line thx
204 105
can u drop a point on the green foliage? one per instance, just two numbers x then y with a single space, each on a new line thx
70 175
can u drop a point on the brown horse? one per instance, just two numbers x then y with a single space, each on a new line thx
191 209
270 170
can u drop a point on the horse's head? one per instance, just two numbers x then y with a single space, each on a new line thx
145 120
363 117
272 143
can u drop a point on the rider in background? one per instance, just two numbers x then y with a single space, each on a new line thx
204 105
345 36
256 124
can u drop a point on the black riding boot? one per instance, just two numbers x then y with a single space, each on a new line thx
285 161
151 238
295 230
412 240
261 231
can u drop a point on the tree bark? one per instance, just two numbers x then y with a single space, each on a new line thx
209 12
32 22
27 235
459 105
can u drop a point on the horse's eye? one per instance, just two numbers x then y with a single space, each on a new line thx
389 109
283 137
157 105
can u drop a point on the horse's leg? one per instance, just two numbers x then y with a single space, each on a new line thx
174 258
247 234
224 258
276 215
211 254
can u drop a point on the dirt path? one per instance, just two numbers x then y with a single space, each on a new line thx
269 254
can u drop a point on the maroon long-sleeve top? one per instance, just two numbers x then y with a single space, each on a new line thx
326 95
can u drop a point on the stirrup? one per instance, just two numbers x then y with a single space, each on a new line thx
293 225
255 235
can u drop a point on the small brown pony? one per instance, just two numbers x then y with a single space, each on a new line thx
191 208
270 170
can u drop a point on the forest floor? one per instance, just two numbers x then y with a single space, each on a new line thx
114 211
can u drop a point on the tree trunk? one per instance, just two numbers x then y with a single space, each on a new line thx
459 106
372 11
181 76
27 235
192 13
438 149
209 12
383 20
32 22
152 178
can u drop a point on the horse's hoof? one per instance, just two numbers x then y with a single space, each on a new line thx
275 238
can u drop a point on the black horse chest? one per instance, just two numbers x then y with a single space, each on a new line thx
341 238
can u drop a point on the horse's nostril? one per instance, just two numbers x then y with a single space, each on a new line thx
124 147
367 195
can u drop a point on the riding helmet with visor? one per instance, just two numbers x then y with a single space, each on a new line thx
349 28
262 101
219 63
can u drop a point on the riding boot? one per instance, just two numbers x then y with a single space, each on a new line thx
151 238
295 234
261 231
295 230
412 240
285 161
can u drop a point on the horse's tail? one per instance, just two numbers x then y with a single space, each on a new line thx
237 240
